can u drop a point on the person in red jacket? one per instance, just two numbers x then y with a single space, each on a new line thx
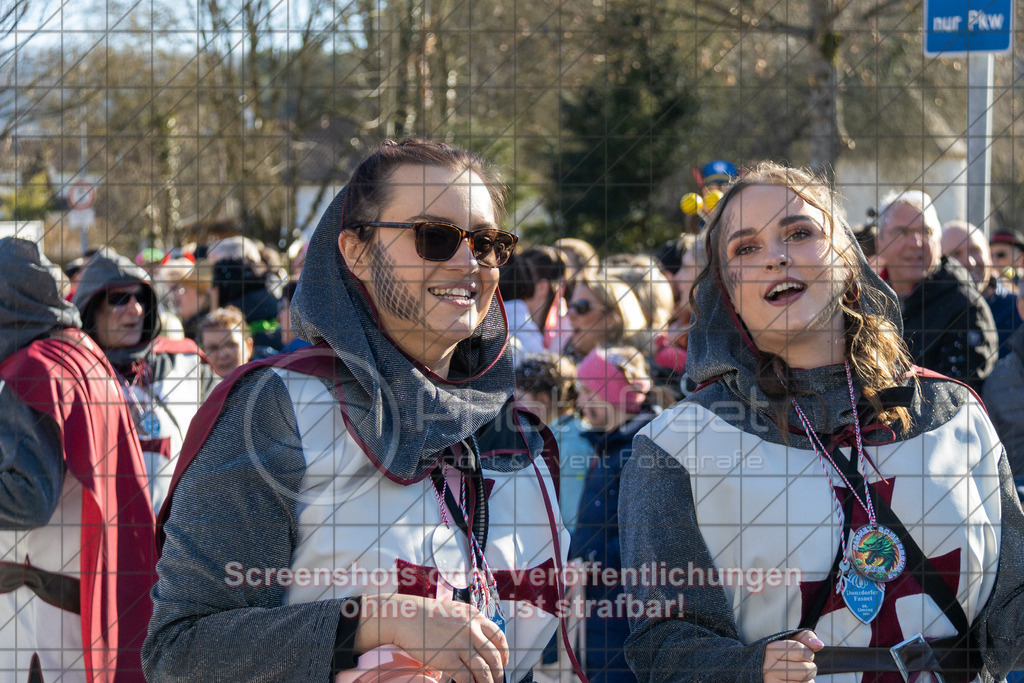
76 527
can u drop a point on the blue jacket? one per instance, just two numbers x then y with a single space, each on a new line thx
1003 304
574 455
596 539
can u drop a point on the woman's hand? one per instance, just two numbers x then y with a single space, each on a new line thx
792 660
453 637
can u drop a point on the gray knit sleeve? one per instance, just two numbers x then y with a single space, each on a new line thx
31 465
658 524
999 628
235 510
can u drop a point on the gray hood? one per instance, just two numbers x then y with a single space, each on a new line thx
721 350
30 302
107 269
402 414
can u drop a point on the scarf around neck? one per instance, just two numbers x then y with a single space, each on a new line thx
403 415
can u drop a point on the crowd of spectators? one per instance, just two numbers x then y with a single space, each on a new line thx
600 345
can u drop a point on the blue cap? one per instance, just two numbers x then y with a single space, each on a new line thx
719 171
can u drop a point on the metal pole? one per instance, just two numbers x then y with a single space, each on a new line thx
979 132
83 150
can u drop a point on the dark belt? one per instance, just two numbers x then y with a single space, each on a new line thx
58 590
952 658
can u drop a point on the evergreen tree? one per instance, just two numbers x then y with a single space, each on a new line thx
621 133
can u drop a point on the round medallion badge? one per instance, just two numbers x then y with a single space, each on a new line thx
877 553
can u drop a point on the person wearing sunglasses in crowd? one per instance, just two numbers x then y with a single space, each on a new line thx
792 568
375 492
604 311
163 380
76 526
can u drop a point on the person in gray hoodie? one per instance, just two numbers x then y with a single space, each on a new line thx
355 461
818 501
164 380
76 526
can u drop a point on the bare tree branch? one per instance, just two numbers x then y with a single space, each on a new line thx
882 6
728 16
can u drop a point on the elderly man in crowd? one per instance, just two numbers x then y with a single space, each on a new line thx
946 323
966 243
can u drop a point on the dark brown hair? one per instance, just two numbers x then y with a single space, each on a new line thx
552 376
370 190
519 277
878 355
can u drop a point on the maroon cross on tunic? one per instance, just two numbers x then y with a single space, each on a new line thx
885 628
532 585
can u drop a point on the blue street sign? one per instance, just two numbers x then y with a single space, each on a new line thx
958 27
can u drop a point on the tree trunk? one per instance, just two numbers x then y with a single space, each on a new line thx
826 134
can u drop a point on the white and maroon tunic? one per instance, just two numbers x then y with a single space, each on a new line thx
377 534
281 483
75 571
163 409
762 514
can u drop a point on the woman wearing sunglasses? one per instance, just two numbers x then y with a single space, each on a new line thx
604 312
374 493
839 514
164 380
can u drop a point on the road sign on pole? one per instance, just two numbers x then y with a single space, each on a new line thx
978 29
81 195
979 132
81 219
959 27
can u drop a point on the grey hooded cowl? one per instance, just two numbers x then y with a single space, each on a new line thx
721 350
403 414
105 270
30 302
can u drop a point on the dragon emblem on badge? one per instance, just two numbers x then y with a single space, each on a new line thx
877 553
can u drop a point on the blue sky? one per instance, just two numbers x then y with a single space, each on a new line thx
171 25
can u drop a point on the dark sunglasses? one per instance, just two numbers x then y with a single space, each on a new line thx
123 298
581 307
439 241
